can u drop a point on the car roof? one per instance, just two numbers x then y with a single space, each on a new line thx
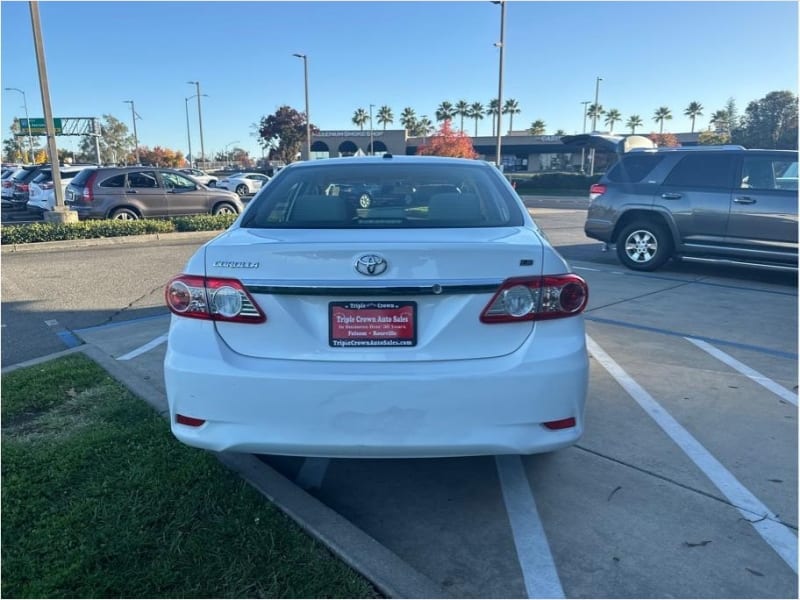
387 159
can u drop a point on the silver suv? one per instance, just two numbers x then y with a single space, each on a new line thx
710 204
140 192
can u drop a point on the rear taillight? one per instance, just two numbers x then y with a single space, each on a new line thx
21 187
597 189
213 299
536 299
8 184
88 190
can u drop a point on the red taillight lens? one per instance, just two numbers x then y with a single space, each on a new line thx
21 187
213 299
597 189
536 299
190 421
88 190
561 423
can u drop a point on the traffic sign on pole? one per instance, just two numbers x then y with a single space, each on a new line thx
37 126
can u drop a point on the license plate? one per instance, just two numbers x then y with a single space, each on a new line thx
372 324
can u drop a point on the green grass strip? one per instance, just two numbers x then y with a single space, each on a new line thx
99 500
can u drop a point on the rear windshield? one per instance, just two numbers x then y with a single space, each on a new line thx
81 178
42 176
634 167
373 196
22 174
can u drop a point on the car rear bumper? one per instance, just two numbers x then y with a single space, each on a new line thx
599 229
378 409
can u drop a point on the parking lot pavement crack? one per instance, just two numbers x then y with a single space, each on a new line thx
131 304
756 517
653 293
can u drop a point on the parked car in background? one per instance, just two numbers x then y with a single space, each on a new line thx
41 192
447 326
244 184
21 176
141 192
704 204
201 176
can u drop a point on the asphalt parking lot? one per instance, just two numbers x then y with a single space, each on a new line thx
684 485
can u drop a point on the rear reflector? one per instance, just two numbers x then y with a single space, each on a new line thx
560 424
190 421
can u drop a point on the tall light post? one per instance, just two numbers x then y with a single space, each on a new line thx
371 140
199 118
585 103
27 119
502 46
135 135
308 115
188 129
594 118
227 156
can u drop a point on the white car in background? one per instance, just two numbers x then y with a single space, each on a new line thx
41 192
244 184
200 176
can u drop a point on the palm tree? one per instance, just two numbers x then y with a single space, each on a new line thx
511 107
560 132
385 116
445 112
493 110
537 127
408 118
360 118
612 116
462 110
424 126
662 114
594 112
694 110
476 111
634 121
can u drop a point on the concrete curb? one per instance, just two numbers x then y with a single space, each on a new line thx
42 359
112 241
388 572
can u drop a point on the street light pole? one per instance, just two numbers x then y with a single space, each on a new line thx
594 118
135 134
188 131
371 142
200 119
28 119
583 150
502 46
308 115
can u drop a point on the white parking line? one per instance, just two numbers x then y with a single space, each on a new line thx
745 370
312 473
146 348
777 535
538 568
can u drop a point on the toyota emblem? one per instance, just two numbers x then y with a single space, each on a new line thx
371 264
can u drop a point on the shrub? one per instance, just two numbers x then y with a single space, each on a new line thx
50 232
556 181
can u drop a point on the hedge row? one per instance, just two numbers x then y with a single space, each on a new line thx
51 232
555 181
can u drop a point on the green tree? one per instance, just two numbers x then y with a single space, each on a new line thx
594 112
511 108
408 118
560 132
462 110
662 114
694 110
538 127
385 116
720 121
494 110
612 116
360 118
770 123
116 143
445 112
712 138
13 149
424 126
284 132
476 111
633 122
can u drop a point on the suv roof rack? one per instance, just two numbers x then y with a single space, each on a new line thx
690 148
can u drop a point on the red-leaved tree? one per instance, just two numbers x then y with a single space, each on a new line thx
447 142
664 140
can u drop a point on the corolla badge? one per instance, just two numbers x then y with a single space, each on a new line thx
236 264
371 264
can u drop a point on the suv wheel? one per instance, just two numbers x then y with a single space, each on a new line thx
124 214
644 246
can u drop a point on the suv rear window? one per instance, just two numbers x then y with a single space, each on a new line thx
380 196
634 167
81 178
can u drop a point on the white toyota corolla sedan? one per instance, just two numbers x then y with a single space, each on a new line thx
438 321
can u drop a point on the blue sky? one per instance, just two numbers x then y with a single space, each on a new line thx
415 54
